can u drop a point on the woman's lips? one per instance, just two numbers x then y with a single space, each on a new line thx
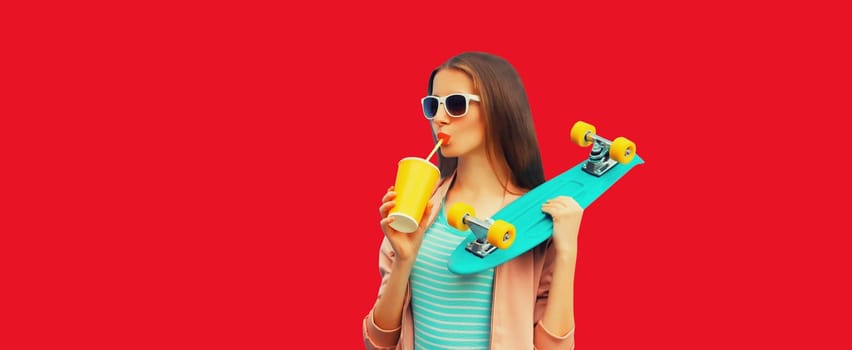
444 137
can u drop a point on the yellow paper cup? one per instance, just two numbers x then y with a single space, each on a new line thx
415 180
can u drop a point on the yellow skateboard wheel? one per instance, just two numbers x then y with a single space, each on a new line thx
455 217
622 150
501 234
579 131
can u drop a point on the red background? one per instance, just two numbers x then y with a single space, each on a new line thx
208 175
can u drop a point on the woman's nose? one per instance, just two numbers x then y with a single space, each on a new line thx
441 116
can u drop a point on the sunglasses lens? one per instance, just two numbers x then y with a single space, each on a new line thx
430 106
456 105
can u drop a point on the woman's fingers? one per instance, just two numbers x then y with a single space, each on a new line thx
389 196
386 228
560 205
387 202
561 202
385 208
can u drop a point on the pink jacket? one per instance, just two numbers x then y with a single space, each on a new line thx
515 322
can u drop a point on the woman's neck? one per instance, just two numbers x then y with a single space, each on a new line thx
476 176
484 186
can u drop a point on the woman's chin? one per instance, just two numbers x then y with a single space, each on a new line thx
448 153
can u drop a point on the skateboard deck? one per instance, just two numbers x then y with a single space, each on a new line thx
531 226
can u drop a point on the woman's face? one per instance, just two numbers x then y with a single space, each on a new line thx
467 133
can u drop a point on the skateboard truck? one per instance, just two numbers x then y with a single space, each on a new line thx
605 154
490 234
480 246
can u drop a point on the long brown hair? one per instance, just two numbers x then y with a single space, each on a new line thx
509 129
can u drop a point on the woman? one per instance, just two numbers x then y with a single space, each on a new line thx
491 159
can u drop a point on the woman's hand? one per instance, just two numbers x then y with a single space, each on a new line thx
566 214
405 245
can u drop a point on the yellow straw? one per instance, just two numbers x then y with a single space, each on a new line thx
435 149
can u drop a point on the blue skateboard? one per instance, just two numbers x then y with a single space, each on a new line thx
521 225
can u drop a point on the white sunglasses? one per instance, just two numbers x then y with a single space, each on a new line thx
456 105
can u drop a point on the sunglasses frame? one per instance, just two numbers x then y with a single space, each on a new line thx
443 100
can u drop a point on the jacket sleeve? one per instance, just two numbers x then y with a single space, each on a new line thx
543 339
375 337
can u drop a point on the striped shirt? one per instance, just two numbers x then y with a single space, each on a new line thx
450 311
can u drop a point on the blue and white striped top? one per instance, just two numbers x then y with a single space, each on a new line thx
450 311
